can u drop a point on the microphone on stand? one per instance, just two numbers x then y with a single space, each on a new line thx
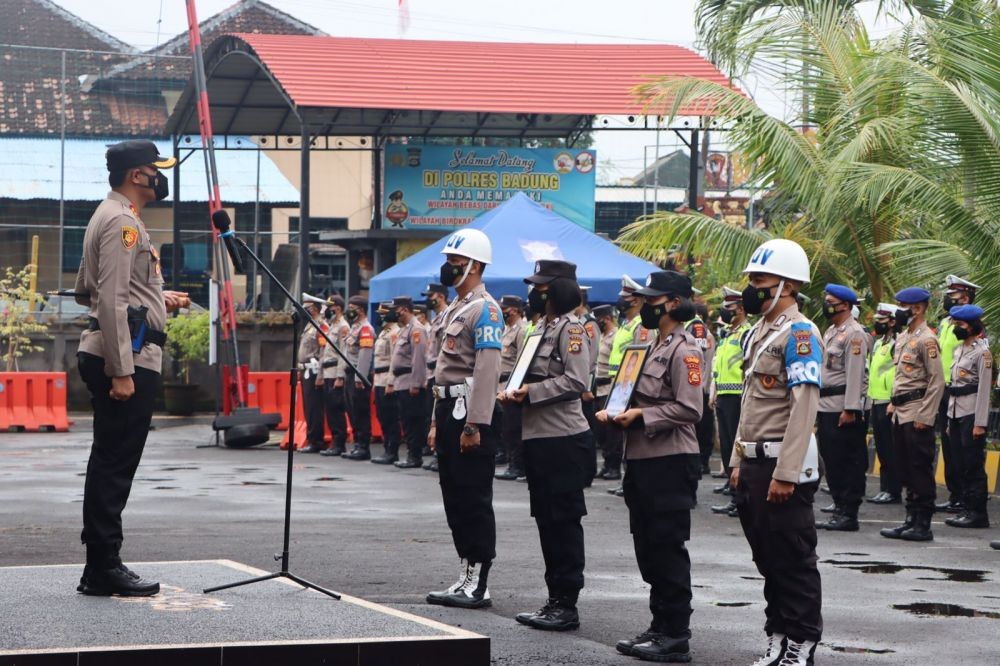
221 221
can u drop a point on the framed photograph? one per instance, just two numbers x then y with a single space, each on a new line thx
626 379
523 362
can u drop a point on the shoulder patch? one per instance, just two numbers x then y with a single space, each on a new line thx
692 361
855 347
130 236
489 330
987 360
575 344
803 356
932 348
366 338
694 377
590 329
416 336
698 329
643 334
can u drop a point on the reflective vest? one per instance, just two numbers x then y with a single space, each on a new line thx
727 366
881 371
948 343
622 339
529 328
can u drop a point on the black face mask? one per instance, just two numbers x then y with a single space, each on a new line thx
432 303
830 310
351 315
949 303
754 298
649 315
902 318
727 316
961 333
537 300
159 185
391 317
329 314
450 273
881 327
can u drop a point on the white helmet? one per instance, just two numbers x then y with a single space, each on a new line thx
780 257
471 243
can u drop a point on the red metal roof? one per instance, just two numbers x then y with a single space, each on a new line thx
497 77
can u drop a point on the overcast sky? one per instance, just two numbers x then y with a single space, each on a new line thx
145 24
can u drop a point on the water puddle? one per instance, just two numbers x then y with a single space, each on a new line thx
330 478
752 577
854 554
731 604
164 487
258 483
927 609
177 469
853 649
875 567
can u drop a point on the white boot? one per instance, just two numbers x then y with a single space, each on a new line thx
463 575
775 648
473 593
798 654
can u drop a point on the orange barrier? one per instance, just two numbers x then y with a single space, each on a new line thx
33 401
269 391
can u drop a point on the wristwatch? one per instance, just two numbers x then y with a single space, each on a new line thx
470 429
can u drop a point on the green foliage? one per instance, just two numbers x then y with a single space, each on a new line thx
17 323
187 340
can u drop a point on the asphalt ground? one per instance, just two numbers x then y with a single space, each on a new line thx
380 534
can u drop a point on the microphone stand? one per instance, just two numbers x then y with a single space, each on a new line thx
299 319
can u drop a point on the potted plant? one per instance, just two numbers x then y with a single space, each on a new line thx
187 342
17 321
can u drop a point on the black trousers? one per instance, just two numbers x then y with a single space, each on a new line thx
335 406
727 411
557 468
915 457
660 493
882 433
705 430
845 455
512 435
467 485
973 450
782 538
951 451
589 411
120 430
609 440
312 407
413 417
387 410
359 409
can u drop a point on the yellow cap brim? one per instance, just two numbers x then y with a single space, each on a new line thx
167 163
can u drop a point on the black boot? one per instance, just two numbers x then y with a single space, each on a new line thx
995 545
971 518
390 456
118 580
843 522
410 463
312 447
725 508
626 644
471 593
509 474
897 532
833 508
359 452
335 450
499 459
432 464
951 506
723 489
609 474
558 614
921 530
885 498
663 648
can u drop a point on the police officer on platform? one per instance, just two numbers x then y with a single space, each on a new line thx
386 407
513 342
119 279
333 376
465 382
775 458
661 480
310 355
408 380
360 345
557 440
436 301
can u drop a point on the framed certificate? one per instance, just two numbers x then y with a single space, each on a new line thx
626 379
523 362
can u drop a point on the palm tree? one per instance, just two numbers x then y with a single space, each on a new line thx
898 184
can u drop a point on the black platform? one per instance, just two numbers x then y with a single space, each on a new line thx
43 621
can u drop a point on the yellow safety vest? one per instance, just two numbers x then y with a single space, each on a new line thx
727 367
623 338
881 371
948 343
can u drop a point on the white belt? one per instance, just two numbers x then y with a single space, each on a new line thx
445 392
770 449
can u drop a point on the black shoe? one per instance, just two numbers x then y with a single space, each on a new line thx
387 459
119 580
663 648
721 474
620 491
312 448
833 508
358 453
509 474
841 523
522 479
612 475
951 506
613 491
975 519
705 469
734 512
995 545
725 508
885 498
921 529
500 459
432 466
333 451
825 489
410 463
721 490
897 532
555 615
625 645
426 452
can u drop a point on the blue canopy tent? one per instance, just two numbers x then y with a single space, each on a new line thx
522 232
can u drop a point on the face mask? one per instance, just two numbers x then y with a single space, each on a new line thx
432 303
351 315
727 316
961 333
329 314
391 317
881 327
683 312
649 315
159 185
754 298
450 274
537 300
902 317
830 310
949 303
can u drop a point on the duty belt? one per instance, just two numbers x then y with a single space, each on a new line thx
732 387
445 392
909 396
603 381
158 338
397 372
384 368
431 365
959 391
827 391
760 450
330 364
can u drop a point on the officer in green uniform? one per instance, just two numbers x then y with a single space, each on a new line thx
881 373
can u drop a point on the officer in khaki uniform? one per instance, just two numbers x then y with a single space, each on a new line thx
311 352
916 394
513 342
465 382
607 324
119 279
841 429
881 373
359 345
661 480
334 403
969 412
775 458
408 380
386 407
437 301
557 441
